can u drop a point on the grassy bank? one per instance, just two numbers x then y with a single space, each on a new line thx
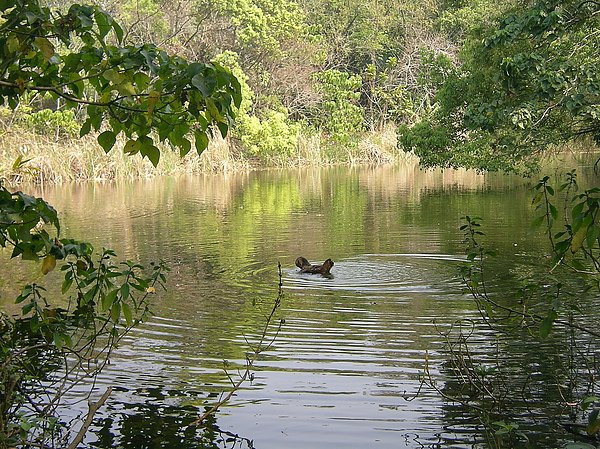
47 159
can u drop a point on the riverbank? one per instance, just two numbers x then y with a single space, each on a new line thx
26 156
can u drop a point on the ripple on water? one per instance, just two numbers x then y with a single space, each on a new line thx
375 275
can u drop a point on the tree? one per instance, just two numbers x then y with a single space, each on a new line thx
132 90
138 91
524 86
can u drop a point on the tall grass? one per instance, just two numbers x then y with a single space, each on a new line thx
51 160
82 159
377 147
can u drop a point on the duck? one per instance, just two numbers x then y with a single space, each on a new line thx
306 267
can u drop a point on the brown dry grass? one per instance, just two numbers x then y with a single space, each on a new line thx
82 159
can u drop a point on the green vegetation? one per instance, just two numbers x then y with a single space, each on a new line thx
52 344
525 84
138 91
485 85
554 305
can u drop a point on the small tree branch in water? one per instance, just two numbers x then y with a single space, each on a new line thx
93 408
251 357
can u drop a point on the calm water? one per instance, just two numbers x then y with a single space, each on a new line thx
345 369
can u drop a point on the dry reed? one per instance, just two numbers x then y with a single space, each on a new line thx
82 159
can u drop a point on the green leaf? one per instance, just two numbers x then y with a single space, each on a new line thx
546 323
537 198
114 77
45 47
538 221
152 153
577 210
58 339
201 83
85 128
115 312
184 147
127 313
125 292
118 31
201 141
107 140
223 127
141 80
132 147
48 264
103 22
592 235
66 285
12 43
27 308
589 400
212 109
578 239
109 299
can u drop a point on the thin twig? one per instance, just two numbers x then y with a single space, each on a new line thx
250 359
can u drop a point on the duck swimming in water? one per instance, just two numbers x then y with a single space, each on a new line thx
306 267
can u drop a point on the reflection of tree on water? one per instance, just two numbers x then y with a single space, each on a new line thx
156 423
512 388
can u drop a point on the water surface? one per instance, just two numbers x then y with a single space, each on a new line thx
346 366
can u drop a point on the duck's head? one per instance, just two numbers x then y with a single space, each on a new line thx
301 262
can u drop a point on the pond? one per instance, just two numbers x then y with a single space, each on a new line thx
346 367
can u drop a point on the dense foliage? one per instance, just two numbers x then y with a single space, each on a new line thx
479 84
530 82
76 56
291 54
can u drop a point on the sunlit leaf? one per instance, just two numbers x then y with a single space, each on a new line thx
127 314
45 47
115 312
103 22
48 264
132 147
578 239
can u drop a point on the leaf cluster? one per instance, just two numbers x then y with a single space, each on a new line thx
134 90
105 300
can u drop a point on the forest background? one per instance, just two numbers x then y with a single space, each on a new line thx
322 82
474 84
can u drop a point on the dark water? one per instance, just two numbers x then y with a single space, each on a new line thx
345 369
